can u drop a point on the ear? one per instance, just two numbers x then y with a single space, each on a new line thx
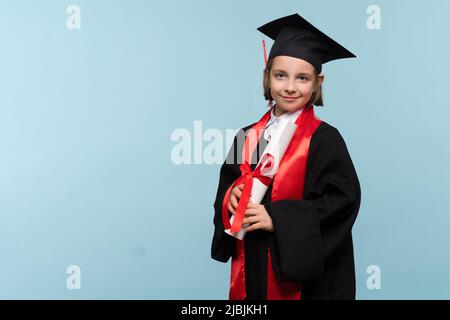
321 78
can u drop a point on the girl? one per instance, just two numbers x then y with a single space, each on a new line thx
298 242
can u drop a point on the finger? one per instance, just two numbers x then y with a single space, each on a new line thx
251 212
252 205
231 209
241 186
250 220
233 201
238 193
253 227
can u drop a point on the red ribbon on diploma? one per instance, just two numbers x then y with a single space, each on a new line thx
266 163
252 139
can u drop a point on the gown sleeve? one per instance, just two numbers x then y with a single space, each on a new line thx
222 243
310 233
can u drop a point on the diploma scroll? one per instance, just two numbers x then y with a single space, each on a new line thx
268 164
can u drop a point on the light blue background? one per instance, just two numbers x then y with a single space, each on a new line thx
86 116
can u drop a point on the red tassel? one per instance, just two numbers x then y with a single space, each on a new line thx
265 54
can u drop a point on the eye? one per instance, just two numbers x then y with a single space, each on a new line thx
303 78
278 75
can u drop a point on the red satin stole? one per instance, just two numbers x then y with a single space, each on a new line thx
288 183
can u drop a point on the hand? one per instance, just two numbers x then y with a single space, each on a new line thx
258 218
235 195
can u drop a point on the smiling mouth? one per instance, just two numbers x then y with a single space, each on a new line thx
290 98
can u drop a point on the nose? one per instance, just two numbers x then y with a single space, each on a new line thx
290 89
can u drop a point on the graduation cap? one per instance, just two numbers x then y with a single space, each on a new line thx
296 37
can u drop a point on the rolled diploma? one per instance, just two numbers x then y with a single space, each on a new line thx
277 147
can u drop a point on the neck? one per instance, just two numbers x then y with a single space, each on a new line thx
278 111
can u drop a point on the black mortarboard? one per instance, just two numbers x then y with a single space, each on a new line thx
296 37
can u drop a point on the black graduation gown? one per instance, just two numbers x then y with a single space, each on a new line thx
312 240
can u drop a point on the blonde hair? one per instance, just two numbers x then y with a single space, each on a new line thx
316 98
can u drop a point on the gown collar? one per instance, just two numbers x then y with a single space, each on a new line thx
291 116
272 123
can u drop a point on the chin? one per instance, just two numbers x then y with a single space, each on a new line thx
291 107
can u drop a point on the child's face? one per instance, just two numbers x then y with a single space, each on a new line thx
292 77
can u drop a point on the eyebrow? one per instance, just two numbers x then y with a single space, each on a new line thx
301 73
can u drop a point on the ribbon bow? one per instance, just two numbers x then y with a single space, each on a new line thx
265 165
